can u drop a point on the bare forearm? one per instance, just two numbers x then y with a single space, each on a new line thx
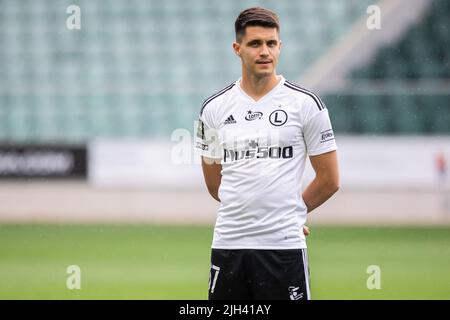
319 191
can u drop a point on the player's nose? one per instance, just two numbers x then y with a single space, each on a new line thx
264 51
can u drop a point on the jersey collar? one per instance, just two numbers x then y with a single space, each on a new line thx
280 83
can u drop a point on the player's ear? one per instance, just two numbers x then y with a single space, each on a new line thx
237 48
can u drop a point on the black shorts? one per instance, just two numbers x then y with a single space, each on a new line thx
259 274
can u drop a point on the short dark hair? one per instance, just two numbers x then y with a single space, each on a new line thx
255 16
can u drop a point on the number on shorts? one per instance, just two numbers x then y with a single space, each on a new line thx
213 275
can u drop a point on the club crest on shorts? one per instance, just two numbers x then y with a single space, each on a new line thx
294 294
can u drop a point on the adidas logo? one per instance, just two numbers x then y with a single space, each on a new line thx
230 120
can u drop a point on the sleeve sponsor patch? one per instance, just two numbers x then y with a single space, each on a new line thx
326 135
201 146
201 129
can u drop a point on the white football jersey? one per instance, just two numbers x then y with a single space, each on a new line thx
263 146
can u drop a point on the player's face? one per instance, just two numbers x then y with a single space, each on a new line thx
259 50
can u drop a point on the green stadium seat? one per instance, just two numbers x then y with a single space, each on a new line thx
4 123
372 115
439 109
340 111
407 114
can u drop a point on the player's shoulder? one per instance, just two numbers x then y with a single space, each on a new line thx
304 96
217 97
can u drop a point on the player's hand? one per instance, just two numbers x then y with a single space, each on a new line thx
306 231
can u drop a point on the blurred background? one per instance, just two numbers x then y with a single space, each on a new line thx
97 123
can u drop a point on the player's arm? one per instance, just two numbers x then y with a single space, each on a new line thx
212 173
326 181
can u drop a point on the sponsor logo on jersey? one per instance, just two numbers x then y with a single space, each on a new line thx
326 135
263 152
253 143
253 115
278 117
230 120
294 294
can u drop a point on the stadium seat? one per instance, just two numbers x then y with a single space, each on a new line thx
438 109
372 114
406 114
340 111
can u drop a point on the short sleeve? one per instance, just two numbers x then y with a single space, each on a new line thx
318 134
207 139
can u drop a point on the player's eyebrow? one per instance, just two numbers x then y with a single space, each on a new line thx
259 41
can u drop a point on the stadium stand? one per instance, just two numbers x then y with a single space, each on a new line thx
420 57
137 68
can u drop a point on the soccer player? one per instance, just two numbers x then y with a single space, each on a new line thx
254 136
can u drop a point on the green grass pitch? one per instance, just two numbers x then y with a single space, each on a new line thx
172 262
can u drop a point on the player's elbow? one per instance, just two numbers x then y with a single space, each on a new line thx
330 185
336 188
333 186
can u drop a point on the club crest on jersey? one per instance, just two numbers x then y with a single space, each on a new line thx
278 117
253 115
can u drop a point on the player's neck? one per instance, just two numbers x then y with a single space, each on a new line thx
258 87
